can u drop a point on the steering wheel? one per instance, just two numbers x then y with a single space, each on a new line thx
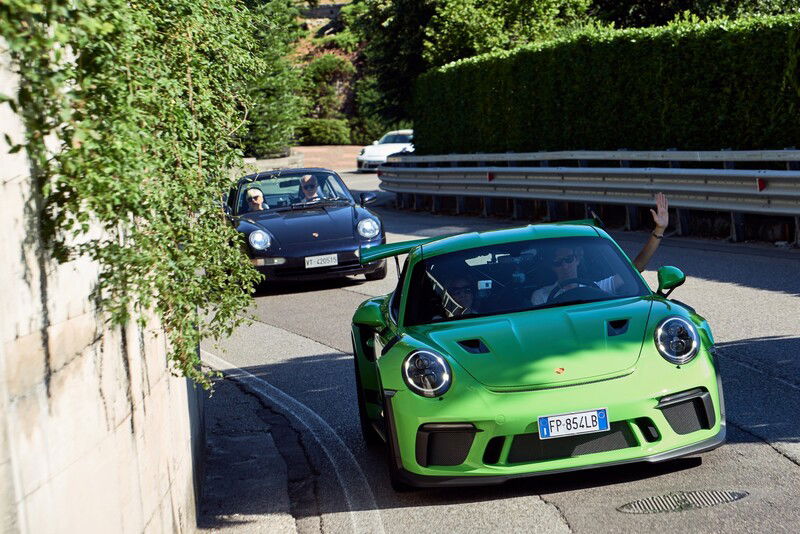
579 283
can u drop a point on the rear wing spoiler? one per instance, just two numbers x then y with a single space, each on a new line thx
380 252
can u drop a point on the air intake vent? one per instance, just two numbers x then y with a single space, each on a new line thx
474 346
618 327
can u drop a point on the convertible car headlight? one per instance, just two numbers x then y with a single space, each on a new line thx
426 373
259 240
677 340
368 228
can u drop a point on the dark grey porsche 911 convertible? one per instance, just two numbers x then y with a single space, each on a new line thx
305 224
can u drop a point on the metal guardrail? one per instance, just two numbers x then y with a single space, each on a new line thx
592 178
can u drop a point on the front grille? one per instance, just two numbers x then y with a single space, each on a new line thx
529 448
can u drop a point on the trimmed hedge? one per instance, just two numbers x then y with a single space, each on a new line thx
323 132
689 85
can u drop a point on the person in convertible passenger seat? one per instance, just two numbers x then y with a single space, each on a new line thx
255 200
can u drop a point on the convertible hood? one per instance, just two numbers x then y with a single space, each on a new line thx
289 227
549 347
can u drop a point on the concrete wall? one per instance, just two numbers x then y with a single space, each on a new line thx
96 435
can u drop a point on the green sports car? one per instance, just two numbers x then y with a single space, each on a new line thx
530 351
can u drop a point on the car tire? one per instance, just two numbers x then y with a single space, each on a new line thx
371 437
378 274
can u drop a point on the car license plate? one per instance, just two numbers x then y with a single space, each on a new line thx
570 424
321 261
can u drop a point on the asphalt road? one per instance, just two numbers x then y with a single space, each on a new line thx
298 352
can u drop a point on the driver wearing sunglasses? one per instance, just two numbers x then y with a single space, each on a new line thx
565 261
309 188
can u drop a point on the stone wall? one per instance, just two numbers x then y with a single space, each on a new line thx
96 435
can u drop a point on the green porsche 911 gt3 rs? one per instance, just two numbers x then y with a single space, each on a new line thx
530 351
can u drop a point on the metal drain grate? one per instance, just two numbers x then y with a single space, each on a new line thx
680 501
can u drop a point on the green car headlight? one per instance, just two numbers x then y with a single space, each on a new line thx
677 340
426 373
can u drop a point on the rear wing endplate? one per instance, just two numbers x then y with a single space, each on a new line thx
388 250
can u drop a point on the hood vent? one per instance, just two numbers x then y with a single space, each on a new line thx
618 327
474 346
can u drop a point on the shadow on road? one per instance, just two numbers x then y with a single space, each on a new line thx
271 288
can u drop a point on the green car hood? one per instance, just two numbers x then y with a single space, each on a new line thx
548 347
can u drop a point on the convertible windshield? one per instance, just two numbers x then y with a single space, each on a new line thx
272 191
513 277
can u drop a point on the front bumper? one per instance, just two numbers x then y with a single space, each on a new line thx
365 164
504 434
294 268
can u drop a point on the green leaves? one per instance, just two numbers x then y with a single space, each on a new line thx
144 104
690 85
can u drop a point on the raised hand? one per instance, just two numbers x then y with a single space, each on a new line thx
661 214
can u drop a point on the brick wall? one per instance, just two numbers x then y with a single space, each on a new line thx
96 435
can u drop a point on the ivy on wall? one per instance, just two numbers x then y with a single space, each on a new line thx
132 110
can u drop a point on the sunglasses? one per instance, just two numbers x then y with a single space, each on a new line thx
310 187
461 289
253 199
558 262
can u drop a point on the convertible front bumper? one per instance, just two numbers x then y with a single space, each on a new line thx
292 266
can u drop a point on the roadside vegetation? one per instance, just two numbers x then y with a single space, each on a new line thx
691 85
136 111
133 113
383 46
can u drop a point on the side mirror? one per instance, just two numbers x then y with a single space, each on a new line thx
367 198
370 315
669 278
374 142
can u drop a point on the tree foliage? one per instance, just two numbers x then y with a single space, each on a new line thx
691 85
464 28
642 13
404 38
144 100
277 104
323 132
324 80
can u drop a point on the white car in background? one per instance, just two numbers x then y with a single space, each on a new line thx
392 142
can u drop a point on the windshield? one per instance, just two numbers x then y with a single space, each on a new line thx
513 277
396 138
271 191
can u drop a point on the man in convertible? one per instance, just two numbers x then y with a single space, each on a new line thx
309 189
565 261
